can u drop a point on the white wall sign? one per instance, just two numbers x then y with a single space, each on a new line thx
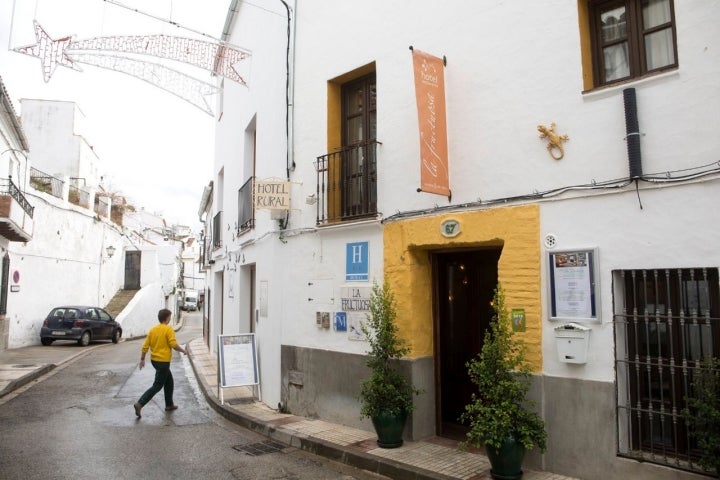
272 194
238 360
355 299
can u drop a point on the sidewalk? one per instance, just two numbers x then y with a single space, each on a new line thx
431 459
20 366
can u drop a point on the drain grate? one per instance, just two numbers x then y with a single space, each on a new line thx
260 448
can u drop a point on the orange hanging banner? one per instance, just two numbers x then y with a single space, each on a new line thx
430 95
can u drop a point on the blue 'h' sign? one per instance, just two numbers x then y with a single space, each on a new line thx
356 262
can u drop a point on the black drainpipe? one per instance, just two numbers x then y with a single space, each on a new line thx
632 131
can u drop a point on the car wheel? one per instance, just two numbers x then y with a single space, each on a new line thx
116 335
84 339
46 341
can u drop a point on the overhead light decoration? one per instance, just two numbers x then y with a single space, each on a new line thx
127 54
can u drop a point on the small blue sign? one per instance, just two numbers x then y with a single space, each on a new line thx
340 321
356 262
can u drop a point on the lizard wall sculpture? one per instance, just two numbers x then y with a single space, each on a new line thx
555 141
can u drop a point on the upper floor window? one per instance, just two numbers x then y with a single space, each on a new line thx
246 210
217 230
631 38
246 206
358 166
359 110
347 176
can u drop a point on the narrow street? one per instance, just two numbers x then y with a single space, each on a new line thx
79 423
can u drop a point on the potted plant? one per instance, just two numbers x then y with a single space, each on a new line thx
500 416
386 396
703 413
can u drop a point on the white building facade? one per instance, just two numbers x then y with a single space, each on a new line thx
581 176
80 253
16 211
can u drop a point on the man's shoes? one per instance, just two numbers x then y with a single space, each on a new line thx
137 408
171 408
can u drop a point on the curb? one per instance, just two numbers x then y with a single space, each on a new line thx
357 459
41 370
27 378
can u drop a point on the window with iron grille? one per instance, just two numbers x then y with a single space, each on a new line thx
631 38
666 322
203 260
347 178
246 208
217 230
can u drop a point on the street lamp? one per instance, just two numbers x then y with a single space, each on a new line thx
110 251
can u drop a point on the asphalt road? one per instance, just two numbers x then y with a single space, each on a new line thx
78 423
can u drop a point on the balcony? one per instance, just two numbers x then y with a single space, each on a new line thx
102 206
217 231
203 260
16 213
46 183
347 184
245 207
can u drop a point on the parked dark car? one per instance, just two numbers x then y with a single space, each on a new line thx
81 323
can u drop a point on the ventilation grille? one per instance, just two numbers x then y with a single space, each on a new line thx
260 448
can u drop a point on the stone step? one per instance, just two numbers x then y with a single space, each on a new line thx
119 301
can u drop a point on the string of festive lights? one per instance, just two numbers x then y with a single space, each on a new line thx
113 52
190 89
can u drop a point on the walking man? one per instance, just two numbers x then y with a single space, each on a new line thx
161 342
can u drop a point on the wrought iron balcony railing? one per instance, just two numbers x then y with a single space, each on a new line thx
46 183
7 187
101 206
217 230
246 212
347 183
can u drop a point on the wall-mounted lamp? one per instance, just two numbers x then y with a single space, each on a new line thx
110 251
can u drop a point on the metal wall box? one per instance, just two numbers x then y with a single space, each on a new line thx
572 342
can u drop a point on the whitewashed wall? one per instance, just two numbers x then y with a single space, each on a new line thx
627 237
141 314
499 87
64 263
259 108
511 66
49 127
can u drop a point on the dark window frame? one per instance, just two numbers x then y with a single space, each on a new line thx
359 163
635 38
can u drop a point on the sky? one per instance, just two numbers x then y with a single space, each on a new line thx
155 148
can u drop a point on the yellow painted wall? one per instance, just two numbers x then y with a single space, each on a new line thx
407 246
585 45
